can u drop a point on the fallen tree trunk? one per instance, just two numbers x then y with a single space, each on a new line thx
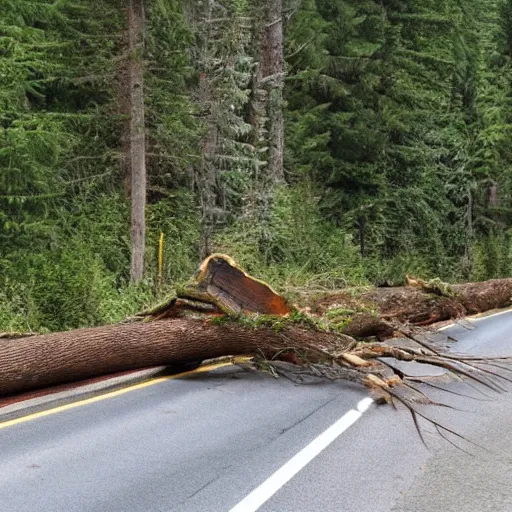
484 296
224 311
49 359
418 304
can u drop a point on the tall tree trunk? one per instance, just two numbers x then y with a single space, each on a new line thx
361 226
206 16
268 84
207 176
468 249
493 194
272 63
137 155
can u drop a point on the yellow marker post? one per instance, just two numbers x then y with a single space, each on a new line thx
160 259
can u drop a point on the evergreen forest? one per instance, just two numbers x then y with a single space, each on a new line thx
321 143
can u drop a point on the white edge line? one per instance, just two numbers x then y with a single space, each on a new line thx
254 500
273 483
476 319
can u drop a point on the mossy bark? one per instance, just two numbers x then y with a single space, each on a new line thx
413 305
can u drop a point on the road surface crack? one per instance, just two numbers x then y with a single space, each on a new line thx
298 422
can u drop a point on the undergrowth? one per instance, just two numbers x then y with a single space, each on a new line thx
77 275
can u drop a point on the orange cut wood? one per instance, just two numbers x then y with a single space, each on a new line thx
235 291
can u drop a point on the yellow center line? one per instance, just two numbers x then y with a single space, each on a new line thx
111 394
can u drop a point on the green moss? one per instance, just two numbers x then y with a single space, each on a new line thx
276 323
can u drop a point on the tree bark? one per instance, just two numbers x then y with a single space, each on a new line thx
137 138
493 194
207 177
421 304
273 73
51 359
268 86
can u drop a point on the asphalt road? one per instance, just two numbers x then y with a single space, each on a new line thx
223 441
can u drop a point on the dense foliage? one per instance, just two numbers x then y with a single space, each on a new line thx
398 148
